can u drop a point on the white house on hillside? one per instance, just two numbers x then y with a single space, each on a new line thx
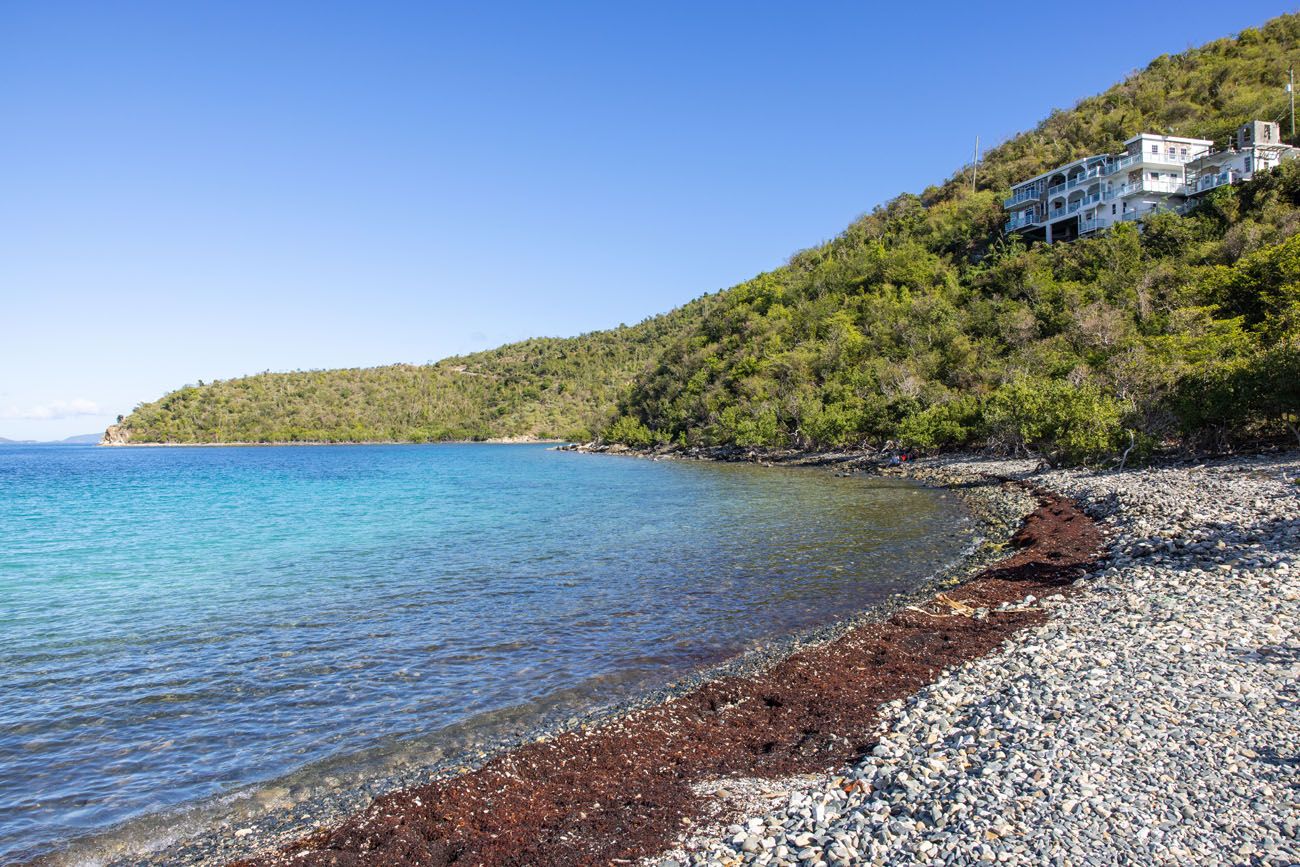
1257 148
1154 172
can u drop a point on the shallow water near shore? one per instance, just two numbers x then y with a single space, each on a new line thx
183 626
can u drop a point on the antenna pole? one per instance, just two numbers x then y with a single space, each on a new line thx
975 170
1290 88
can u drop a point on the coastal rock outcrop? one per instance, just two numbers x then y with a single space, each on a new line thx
116 435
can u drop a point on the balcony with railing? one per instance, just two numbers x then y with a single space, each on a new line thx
1164 158
1072 207
1021 220
1209 182
1093 173
1028 194
1125 162
1147 185
1055 213
1135 215
1092 225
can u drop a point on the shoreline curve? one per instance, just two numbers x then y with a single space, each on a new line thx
622 789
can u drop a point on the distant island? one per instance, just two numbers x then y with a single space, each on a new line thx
928 324
79 439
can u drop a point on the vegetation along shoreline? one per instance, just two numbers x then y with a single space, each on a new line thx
491 441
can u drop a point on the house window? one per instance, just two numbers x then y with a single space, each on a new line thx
1155 149
1182 152
1248 162
1112 209
1268 133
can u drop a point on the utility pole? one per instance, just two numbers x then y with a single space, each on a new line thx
1290 89
975 170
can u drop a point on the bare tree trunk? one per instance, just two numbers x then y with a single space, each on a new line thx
1131 442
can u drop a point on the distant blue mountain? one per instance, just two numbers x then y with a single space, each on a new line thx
78 440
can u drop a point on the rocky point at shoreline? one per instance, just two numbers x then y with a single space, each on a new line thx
1152 719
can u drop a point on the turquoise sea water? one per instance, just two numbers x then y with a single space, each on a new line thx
178 624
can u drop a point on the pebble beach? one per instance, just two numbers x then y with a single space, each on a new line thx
1152 719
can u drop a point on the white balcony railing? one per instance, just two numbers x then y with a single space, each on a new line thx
1026 195
1209 182
1021 220
1147 185
1092 174
1090 225
1135 215
1093 199
1059 188
1125 162
1164 157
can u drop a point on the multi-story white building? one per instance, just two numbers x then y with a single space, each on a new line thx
1154 172
1257 148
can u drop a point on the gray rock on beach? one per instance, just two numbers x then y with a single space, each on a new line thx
1155 719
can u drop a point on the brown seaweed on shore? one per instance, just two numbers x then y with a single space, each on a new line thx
622 790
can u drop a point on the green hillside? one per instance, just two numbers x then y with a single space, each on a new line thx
545 387
920 323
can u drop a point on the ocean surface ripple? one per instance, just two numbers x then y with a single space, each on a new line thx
179 624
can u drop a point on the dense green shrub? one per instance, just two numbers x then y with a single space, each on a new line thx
1061 421
954 423
631 432
1251 396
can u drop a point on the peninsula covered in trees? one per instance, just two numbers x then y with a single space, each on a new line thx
921 323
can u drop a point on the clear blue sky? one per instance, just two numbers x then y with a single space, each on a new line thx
203 190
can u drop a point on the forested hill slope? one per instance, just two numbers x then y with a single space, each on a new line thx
545 387
920 323
923 324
